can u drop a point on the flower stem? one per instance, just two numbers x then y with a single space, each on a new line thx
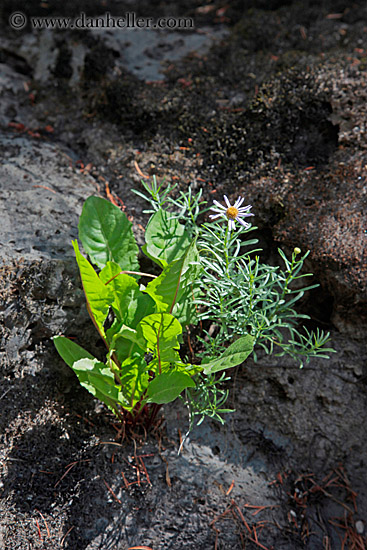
226 249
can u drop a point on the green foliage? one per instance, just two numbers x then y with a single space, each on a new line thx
99 380
160 330
97 294
172 291
92 375
166 238
168 386
207 398
70 351
234 355
143 363
157 196
210 274
106 234
240 295
244 296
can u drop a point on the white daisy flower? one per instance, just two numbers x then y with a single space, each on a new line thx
232 213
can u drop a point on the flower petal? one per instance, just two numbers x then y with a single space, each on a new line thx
219 205
219 210
244 208
245 224
238 202
227 201
216 209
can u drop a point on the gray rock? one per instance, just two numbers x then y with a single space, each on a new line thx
41 196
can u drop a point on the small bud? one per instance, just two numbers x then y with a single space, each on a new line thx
297 250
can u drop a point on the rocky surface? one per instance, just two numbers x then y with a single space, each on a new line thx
275 110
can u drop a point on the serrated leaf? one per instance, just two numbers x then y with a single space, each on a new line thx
98 295
166 239
106 234
234 355
69 350
168 386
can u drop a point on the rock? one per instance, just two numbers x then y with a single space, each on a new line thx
317 199
324 208
237 120
41 197
11 84
39 174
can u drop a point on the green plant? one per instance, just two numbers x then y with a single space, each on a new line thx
209 274
143 367
239 295
244 296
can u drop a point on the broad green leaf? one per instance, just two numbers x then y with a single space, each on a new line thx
172 290
172 361
130 306
98 295
99 381
134 378
70 351
124 341
166 239
130 303
234 355
120 285
185 310
161 330
106 234
140 305
133 336
167 387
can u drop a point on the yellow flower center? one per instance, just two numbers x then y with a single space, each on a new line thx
232 213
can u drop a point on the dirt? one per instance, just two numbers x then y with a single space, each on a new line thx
265 99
